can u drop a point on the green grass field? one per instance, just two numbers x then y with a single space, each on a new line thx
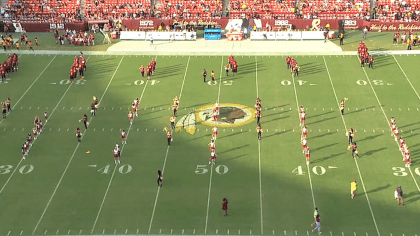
60 190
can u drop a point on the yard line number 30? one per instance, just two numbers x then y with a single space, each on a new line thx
26 169
400 171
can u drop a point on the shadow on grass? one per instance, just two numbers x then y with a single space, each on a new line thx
276 134
235 148
323 147
322 135
370 137
379 188
328 157
370 152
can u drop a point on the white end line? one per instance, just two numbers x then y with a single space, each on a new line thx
355 161
71 158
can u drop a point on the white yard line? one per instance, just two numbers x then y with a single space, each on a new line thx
166 155
355 161
386 118
405 77
259 155
115 168
55 108
307 166
39 76
74 152
211 167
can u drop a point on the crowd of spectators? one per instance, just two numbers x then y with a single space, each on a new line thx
117 9
42 10
262 8
397 10
181 9
70 10
302 9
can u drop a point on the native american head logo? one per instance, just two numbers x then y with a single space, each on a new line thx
230 115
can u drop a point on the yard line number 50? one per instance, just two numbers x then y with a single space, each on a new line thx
220 169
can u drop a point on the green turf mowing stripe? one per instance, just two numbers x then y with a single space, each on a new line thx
357 165
71 158
212 163
167 151
50 115
116 165
259 153
39 76
386 118
408 80
309 171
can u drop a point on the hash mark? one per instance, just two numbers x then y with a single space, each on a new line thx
160 231
172 231
45 232
126 230
295 232
250 232
68 232
115 231
9 233
80 232
354 233
227 231
194 232
137 231
103 231
21 232
14 129
285 232
217 231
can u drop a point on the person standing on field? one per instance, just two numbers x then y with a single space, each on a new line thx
400 196
316 214
318 224
225 207
365 31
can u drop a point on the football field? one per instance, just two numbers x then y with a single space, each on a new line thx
61 190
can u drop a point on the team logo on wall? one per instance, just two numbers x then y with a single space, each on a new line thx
231 115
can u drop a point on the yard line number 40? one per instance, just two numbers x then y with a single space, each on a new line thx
318 170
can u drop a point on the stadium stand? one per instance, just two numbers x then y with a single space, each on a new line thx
40 10
180 9
69 10
391 10
115 9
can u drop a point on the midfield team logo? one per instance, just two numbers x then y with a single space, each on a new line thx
231 115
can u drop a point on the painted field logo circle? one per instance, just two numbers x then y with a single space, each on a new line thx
231 115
